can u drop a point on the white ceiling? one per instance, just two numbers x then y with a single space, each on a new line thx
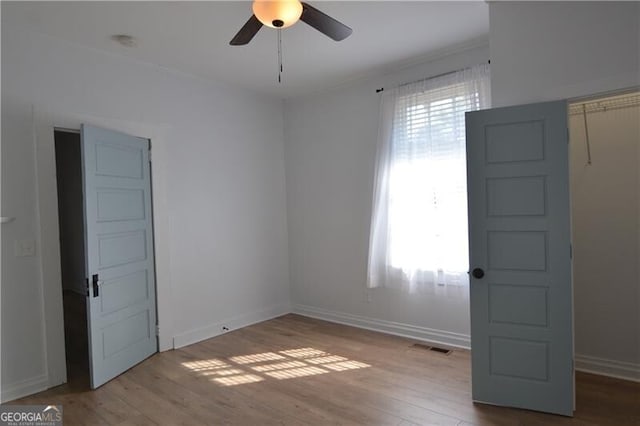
193 37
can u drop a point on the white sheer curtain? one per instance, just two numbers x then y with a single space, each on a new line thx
418 237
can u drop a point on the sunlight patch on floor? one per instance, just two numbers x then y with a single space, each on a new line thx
303 353
279 366
238 380
229 372
326 359
205 365
296 372
287 364
344 366
249 359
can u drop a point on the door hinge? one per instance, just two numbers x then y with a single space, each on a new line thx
157 330
86 282
570 251
150 154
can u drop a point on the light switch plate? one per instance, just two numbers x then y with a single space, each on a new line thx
25 248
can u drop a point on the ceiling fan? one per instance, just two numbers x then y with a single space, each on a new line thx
284 13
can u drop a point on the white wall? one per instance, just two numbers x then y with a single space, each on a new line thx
554 50
330 144
225 189
605 197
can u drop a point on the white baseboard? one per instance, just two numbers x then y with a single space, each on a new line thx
608 367
425 334
213 330
25 387
588 364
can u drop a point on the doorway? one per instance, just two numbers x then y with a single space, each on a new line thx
107 257
605 183
46 120
72 255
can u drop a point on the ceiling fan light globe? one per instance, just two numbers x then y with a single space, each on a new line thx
272 12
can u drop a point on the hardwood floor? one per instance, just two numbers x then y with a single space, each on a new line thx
76 340
295 370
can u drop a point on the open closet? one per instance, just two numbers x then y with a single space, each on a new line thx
605 187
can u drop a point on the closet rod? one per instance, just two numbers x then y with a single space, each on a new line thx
625 101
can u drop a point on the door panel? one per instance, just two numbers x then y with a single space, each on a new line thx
121 304
517 251
518 304
517 196
519 235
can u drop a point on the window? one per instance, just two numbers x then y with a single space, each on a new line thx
419 222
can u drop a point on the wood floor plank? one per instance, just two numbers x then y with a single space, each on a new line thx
294 370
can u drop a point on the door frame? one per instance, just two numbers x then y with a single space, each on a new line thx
45 120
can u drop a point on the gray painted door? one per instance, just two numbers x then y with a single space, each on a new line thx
519 236
121 310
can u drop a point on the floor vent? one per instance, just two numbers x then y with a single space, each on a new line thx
441 350
421 346
431 348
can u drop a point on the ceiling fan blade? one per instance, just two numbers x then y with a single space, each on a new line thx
324 23
246 33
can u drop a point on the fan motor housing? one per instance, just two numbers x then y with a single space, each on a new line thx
281 14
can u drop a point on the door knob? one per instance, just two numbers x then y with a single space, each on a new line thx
477 273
